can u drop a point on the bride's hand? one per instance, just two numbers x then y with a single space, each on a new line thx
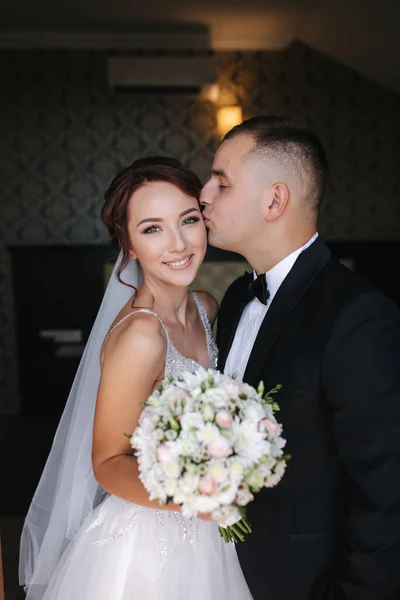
205 516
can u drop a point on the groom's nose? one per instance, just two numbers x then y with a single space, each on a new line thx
206 196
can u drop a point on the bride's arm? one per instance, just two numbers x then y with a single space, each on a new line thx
131 364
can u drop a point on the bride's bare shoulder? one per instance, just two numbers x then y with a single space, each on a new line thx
209 303
138 334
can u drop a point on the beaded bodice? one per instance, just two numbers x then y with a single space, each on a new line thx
175 362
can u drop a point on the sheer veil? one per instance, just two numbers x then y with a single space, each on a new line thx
68 491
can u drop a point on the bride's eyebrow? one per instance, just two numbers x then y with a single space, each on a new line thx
159 219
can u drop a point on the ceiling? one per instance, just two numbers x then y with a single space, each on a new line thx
363 34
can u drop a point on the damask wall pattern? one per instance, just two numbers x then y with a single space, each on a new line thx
64 134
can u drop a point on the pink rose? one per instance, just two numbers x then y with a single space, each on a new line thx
207 485
164 452
270 426
224 418
219 448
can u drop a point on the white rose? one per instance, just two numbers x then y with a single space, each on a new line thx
206 504
228 495
249 391
188 505
209 433
232 388
277 445
255 480
235 468
275 477
243 497
191 468
253 411
146 421
192 420
188 483
170 487
172 468
226 516
218 470
216 396
196 392
188 446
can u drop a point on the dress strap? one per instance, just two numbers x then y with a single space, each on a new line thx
203 313
134 312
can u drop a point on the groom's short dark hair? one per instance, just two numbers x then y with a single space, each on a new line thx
295 146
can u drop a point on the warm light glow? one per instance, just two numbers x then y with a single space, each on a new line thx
210 92
228 117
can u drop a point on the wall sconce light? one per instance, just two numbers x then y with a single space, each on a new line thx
228 117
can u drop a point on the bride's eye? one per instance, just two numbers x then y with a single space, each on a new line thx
191 220
152 229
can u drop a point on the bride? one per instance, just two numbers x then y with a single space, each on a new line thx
91 532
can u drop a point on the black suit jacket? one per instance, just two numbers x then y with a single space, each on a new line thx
330 530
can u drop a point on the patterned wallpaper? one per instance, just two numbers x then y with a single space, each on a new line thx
64 135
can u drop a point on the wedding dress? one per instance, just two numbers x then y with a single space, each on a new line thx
124 551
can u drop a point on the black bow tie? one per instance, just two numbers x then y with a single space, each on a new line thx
257 288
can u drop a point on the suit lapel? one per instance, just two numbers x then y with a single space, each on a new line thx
231 319
302 274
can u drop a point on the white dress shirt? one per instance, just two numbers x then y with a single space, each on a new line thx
254 313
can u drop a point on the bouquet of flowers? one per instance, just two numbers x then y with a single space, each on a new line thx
209 443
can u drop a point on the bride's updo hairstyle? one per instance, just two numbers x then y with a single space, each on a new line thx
114 212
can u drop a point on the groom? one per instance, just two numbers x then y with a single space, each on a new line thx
330 530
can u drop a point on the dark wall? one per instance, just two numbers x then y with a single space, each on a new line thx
64 134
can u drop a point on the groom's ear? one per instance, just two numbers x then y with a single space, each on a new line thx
275 201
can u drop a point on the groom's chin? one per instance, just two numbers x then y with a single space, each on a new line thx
215 242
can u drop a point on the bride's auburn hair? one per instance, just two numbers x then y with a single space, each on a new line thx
114 212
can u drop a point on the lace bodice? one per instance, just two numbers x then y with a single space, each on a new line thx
175 362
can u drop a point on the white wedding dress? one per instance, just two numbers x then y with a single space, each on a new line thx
124 551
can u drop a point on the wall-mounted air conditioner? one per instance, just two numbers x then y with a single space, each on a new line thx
176 73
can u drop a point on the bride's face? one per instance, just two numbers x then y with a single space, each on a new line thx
167 233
